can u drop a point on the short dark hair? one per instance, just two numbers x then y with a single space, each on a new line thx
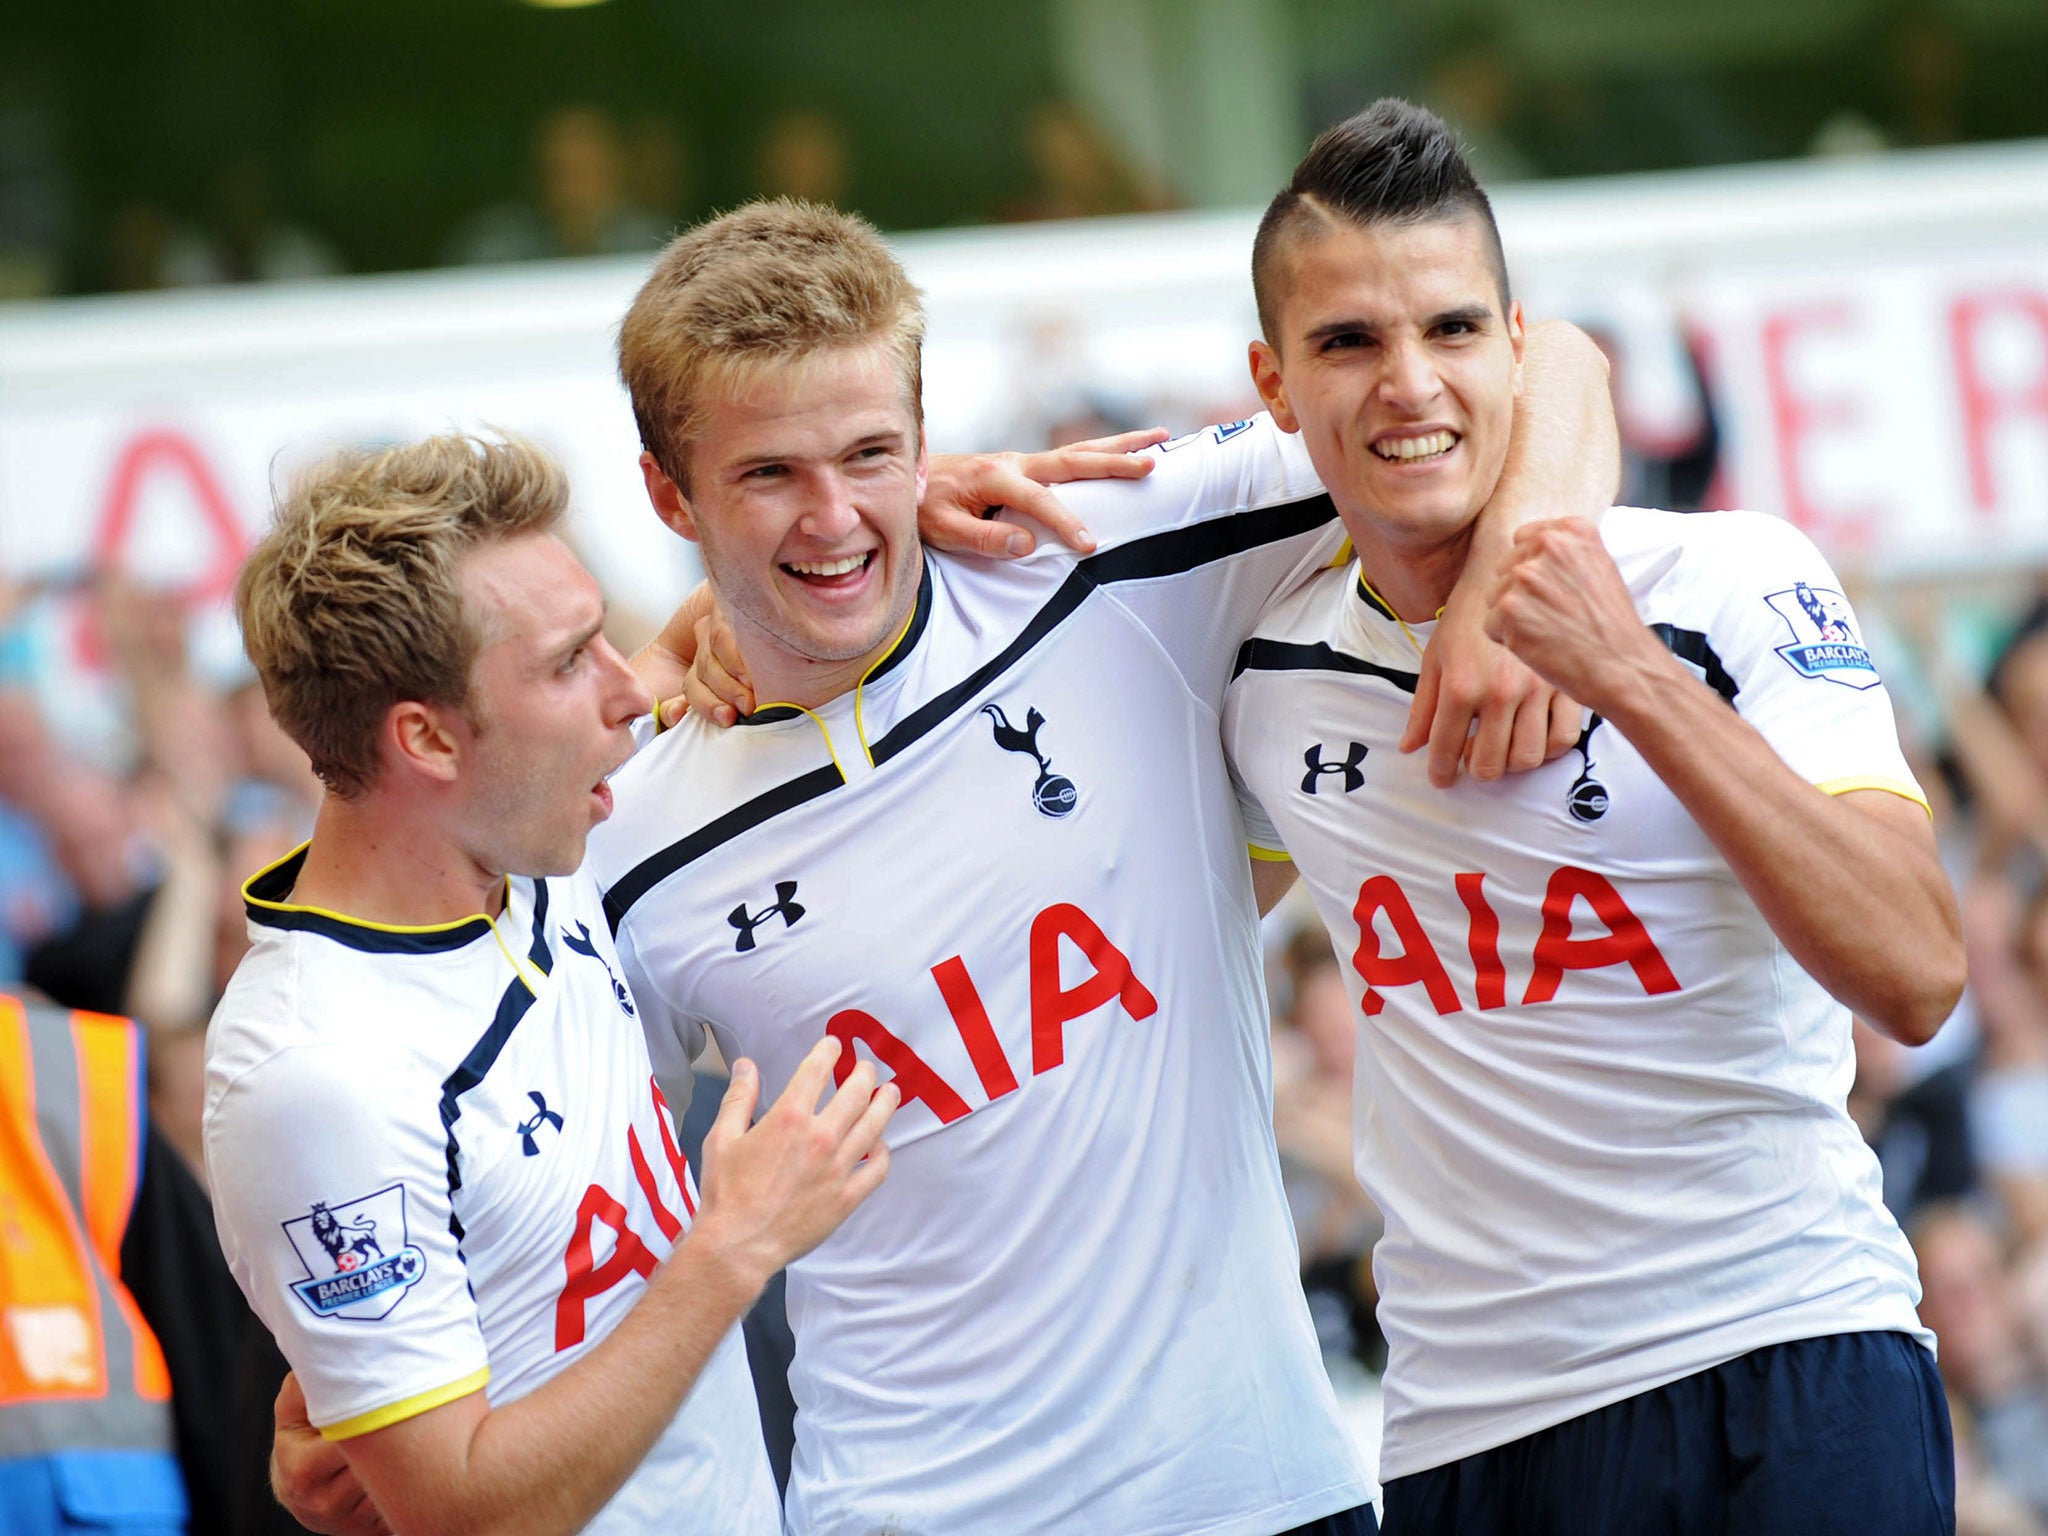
1393 163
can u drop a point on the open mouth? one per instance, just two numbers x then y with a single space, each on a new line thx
842 571
1420 448
602 790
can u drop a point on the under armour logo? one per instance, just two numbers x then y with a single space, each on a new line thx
581 942
785 907
1354 776
1054 794
1587 798
528 1129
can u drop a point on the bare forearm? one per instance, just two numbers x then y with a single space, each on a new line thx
1885 939
1564 455
550 1461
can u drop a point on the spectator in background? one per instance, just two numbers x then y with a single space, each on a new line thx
1076 173
583 207
1995 1376
1478 91
803 154
659 173
1314 1043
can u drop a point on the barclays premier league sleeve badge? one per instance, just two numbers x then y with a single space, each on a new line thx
357 1260
1824 642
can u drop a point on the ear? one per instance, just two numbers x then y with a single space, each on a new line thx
423 739
924 461
1516 337
667 498
1272 388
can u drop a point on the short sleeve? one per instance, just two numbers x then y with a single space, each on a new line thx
330 1192
1231 518
1262 838
1786 644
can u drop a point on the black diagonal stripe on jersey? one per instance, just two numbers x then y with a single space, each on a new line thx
1691 645
1167 553
482 1056
1260 655
1159 554
542 957
650 872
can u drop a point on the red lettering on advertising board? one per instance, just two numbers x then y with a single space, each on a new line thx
1984 405
1798 418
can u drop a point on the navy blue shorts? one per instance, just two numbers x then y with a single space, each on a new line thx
1346 1522
1847 1434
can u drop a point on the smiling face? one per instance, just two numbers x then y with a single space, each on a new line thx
1394 359
804 485
549 704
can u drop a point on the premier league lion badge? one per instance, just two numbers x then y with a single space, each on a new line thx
358 1262
1824 642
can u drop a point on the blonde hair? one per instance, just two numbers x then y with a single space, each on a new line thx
770 282
352 601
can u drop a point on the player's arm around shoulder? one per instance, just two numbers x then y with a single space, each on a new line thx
1807 776
548 1462
1475 703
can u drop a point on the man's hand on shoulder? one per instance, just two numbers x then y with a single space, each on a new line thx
1467 680
965 491
694 664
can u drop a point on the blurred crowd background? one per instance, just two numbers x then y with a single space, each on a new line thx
146 146
230 142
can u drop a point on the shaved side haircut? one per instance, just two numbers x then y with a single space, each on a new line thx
1393 163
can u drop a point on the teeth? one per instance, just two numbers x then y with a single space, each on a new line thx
1406 448
828 567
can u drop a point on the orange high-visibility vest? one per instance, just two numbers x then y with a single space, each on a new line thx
79 1368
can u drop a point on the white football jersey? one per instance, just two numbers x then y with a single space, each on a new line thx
440 1162
1599 1104
1009 869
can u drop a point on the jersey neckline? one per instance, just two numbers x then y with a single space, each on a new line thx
265 898
905 642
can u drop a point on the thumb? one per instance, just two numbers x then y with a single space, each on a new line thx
289 1412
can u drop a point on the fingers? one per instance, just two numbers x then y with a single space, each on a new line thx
1486 755
865 1137
1122 444
868 1174
1422 713
1039 503
962 529
1529 746
1566 721
1449 730
716 685
807 1083
736 1110
850 1100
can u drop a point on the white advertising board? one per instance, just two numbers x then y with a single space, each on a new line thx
1873 336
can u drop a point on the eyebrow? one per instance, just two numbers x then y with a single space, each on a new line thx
583 636
1470 314
886 435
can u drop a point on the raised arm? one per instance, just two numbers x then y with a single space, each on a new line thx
549 1461
1564 459
1885 939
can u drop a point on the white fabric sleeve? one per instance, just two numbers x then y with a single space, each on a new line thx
1231 518
1261 837
1789 641
330 1193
